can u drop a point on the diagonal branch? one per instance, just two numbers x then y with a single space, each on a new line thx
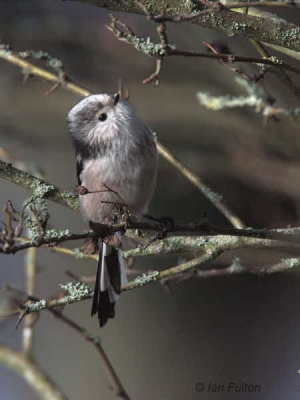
212 196
37 186
29 321
36 378
116 385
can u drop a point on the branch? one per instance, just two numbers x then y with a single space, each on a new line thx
31 373
160 50
235 269
178 243
31 69
38 215
211 248
267 3
48 238
116 384
123 33
272 31
30 276
255 98
37 186
259 13
215 198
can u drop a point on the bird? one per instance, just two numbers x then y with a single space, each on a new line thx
116 163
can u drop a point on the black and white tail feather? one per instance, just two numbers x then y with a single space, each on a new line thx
110 277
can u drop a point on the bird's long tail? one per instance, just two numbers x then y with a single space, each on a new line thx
110 277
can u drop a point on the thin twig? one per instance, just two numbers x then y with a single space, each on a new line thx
237 268
116 384
213 197
154 77
282 75
30 276
32 69
262 4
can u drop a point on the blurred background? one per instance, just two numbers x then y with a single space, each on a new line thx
230 329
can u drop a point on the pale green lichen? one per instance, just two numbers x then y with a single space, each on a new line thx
78 253
255 98
68 195
200 241
274 60
41 189
143 279
92 338
35 216
217 103
236 265
36 306
213 196
289 38
237 27
54 234
291 262
51 61
146 46
76 291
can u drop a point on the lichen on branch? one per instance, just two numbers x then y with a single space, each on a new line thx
38 187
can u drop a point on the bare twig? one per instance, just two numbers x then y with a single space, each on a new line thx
36 378
281 73
116 385
215 198
154 77
29 321
290 53
236 268
280 4
228 63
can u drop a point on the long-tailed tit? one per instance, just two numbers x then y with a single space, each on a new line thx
116 166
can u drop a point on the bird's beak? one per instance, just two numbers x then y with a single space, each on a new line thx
116 98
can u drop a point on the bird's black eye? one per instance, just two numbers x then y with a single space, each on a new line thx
102 117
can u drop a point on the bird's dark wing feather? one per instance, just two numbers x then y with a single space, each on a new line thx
79 168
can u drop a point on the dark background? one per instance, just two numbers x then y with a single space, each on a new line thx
235 329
